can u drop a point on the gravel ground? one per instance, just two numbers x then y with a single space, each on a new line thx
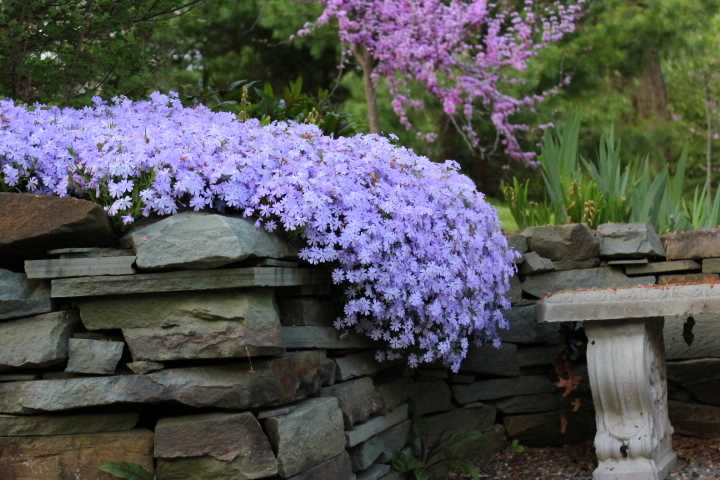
699 459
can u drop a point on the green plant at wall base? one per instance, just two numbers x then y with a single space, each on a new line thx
452 452
126 471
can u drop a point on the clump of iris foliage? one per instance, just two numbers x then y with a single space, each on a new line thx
609 188
416 247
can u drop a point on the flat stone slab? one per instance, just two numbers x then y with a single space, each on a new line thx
307 311
234 386
358 365
20 297
32 425
376 425
73 456
31 224
634 302
100 357
663 267
428 397
382 447
525 329
192 240
473 418
695 420
36 342
211 446
496 388
488 360
327 338
539 286
311 434
223 324
79 267
186 281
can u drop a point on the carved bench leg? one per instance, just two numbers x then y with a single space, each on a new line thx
626 363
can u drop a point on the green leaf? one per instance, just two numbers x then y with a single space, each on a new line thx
126 471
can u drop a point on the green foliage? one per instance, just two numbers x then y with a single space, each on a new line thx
126 471
517 447
450 452
610 188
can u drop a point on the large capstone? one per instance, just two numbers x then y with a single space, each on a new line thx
30 224
20 297
310 434
225 324
568 246
203 240
38 341
213 446
546 283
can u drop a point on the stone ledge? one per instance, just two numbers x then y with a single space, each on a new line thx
186 281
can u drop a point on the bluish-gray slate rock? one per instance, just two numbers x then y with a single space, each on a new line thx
533 264
376 425
20 297
32 224
18 377
502 387
692 244
225 324
540 285
705 331
187 281
100 357
79 267
238 386
32 425
90 252
309 435
306 311
213 446
573 242
491 361
518 242
359 365
143 366
376 472
474 418
382 447
525 329
358 399
38 341
337 468
541 402
193 240
429 397
326 338
629 240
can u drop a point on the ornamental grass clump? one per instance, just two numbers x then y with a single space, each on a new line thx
416 247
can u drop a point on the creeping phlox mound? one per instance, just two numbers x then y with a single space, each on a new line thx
419 251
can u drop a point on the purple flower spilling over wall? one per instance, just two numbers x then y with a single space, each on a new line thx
420 252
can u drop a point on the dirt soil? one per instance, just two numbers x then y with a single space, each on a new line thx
698 459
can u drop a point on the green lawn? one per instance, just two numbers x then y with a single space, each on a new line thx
506 218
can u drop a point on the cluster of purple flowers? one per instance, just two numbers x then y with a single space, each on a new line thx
420 252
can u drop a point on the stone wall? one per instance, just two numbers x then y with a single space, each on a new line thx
618 255
200 348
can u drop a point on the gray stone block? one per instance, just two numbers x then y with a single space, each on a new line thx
376 425
327 338
307 311
525 329
20 297
376 472
533 264
542 402
33 425
213 446
358 400
629 240
491 361
429 397
358 365
475 418
100 357
695 420
395 392
571 242
381 447
664 267
38 341
309 435
337 468
544 284
79 267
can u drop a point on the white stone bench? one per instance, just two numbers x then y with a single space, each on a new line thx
626 365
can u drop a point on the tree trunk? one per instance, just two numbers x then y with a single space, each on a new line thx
365 60
650 98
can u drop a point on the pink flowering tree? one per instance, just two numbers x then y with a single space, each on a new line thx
466 53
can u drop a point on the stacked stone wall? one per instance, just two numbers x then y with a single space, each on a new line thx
200 348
